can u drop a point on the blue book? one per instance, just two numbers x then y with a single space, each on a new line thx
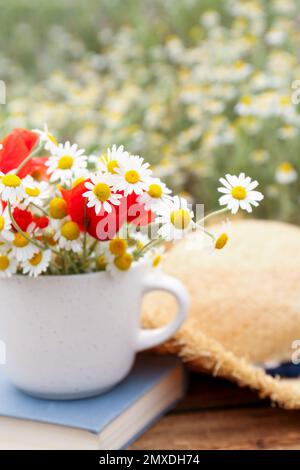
109 421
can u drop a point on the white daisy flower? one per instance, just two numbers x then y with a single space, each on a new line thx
8 264
239 193
36 192
68 236
175 218
156 193
286 173
37 264
6 235
47 138
220 237
154 257
119 265
22 248
133 175
101 193
66 162
103 258
110 161
11 188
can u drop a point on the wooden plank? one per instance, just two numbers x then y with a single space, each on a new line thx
244 428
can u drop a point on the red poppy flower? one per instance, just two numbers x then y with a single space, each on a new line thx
23 218
16 147
137 214
103 226
41 222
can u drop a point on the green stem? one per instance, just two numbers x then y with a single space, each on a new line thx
92 247
18 228
212 214
29 157
150 245
209 234
40 208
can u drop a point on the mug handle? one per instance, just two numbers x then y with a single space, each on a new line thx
154 337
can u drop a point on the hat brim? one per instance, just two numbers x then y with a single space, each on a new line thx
244 319
204 354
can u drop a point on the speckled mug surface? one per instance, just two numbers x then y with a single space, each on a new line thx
76 336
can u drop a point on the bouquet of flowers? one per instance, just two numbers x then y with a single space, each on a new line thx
65 212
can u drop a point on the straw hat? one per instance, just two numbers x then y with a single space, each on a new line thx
245 306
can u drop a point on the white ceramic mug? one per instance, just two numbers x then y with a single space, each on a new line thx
76 336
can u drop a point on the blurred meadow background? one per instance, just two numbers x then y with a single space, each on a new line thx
198 87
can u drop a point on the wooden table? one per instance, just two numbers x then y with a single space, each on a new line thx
219 415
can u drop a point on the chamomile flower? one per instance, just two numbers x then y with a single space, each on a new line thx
110 161
22 248
220 238
156 256
156 193
37 264
286 173
6 235
245 106
175 218
118 265
68 236
47 138
8 264
66 162
133 175
117 246
239 193
36 192
11 188
103 259
100 194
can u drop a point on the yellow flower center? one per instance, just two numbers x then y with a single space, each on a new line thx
70 230
132 176
155 191
33 192
58 208
180 218
285 101
52 138
117 246
4 263
2 223
102 191
239 64
65 162
239 193
50 240
246 100
20 241
101 262
77 182
111 166
156 261
123 262
221 241
12 181
286 167
36 259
